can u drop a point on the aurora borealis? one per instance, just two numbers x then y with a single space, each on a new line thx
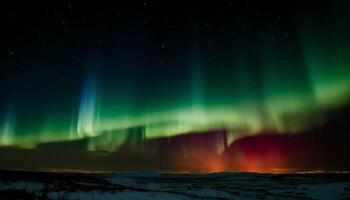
173 82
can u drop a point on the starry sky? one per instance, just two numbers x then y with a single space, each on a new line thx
175 86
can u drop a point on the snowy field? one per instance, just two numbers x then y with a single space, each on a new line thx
149 185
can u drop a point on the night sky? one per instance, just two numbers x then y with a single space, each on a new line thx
175 86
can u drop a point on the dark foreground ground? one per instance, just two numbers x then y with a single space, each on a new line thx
149 185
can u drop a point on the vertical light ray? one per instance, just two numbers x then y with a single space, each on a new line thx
7 128
73 128
197 89
88 116
326 50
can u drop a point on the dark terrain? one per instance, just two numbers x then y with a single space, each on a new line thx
151 185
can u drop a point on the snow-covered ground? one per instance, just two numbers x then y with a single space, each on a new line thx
150 185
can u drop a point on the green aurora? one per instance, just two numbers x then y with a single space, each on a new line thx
279 77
